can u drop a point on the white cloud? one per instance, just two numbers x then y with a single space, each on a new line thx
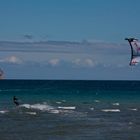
54 62
63 58
76 61
87 62
11 59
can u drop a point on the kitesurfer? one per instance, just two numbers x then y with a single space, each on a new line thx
15 100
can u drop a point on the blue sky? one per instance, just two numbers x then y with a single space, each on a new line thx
105 24
109 20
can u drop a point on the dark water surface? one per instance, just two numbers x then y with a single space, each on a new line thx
70 110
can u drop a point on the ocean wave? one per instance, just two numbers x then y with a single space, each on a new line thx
31 113
110 110
133 109
68 111
3 111
42 107
67 107
96 101
54 111
115 104
92 108
48 108
58 102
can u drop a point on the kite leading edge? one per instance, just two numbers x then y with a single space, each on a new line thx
135 51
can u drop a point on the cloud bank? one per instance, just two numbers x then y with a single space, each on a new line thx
65 60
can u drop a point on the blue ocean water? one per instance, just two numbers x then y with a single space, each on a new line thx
70 110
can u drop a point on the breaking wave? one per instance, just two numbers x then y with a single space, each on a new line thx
133 109
40 107
31 113
110 110
47 108
115 104
67 107
3 111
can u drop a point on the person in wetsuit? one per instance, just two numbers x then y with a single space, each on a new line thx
15 100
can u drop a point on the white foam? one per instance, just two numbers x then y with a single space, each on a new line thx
97 101
54 111
92 108
48 108
67 107
31 113
58 102
111 110
133 109
63 100
25 105
3 111
42 107
116 104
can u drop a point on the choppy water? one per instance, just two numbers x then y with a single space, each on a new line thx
70 110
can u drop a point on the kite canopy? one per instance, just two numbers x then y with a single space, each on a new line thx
1 74
135 50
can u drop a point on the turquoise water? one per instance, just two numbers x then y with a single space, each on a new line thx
77 110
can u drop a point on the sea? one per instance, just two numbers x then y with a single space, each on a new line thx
70 110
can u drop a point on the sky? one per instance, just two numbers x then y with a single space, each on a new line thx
87 39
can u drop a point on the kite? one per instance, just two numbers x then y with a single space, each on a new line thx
135 51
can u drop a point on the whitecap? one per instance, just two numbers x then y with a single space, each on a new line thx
54 111
58 102
31 113
133 109
97 101
92 108
63 100
42 107
3 111
116 104
26 106
111 110
67 107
